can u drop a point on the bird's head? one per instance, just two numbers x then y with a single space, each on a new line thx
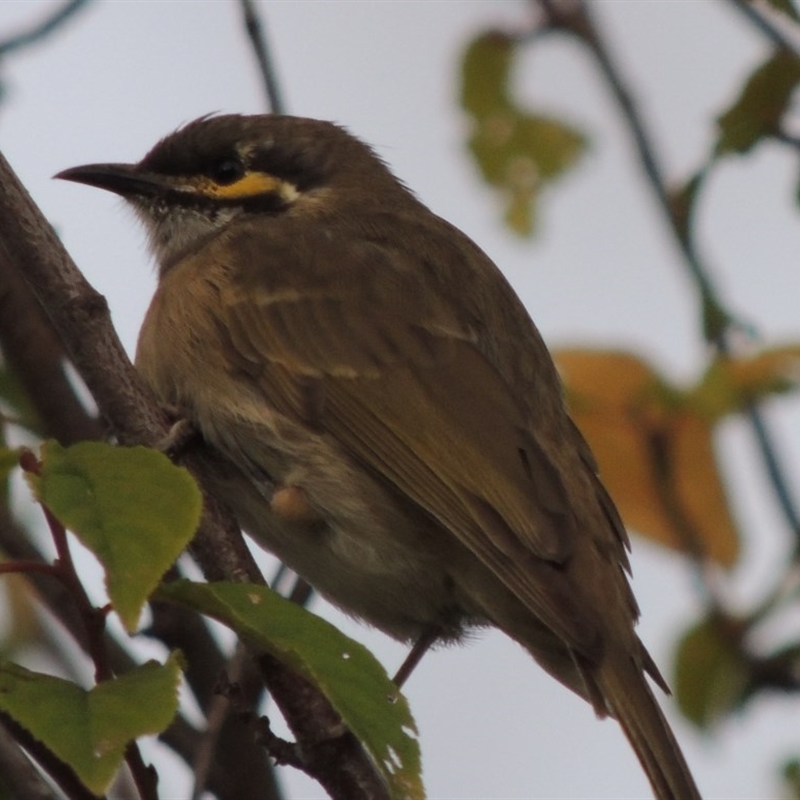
198 180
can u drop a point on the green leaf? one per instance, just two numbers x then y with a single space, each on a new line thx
13 394
711 678
758 110
484 74
131 506
731 385
345 671
9 458
519 154
790 772
89 730
516 151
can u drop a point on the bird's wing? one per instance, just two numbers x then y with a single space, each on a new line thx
402 384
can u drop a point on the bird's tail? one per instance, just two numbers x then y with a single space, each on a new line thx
630 699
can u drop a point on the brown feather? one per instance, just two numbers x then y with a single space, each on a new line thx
341 342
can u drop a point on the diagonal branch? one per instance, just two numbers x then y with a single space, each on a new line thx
80 316
575 17
67 780
17 774
266 66
36 357
41 29
768 22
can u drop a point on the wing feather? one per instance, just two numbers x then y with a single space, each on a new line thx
409 393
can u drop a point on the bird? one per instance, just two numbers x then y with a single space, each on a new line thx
394 426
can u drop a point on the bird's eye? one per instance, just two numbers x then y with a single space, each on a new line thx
226 171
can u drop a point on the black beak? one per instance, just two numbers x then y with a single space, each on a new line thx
126 180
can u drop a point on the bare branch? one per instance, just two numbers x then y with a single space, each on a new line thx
258 40
80 316
768 21
574 17
62 773
19 775
41 29
35 355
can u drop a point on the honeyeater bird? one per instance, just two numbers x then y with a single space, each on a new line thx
394 426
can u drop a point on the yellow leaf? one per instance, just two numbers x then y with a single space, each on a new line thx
655 453
518 152
731 384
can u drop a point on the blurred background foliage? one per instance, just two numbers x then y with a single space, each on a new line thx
655 440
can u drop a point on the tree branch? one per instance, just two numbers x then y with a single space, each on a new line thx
575 17
266 66
80 316
35 356
41 29
17 774
767 21
63 774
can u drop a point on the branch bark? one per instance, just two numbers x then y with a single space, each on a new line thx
79 315
18 774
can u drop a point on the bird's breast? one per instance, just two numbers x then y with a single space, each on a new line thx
292 486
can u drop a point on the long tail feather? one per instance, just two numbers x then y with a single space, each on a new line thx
631 701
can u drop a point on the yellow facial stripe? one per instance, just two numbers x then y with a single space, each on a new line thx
251 184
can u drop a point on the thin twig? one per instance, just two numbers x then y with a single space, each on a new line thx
94 619
27 567
575 17
41 29
80 316
144 775
266 65
766 21
788 139
284 753
775 470
217 713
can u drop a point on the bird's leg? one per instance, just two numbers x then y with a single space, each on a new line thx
182 432
421 646
180 435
